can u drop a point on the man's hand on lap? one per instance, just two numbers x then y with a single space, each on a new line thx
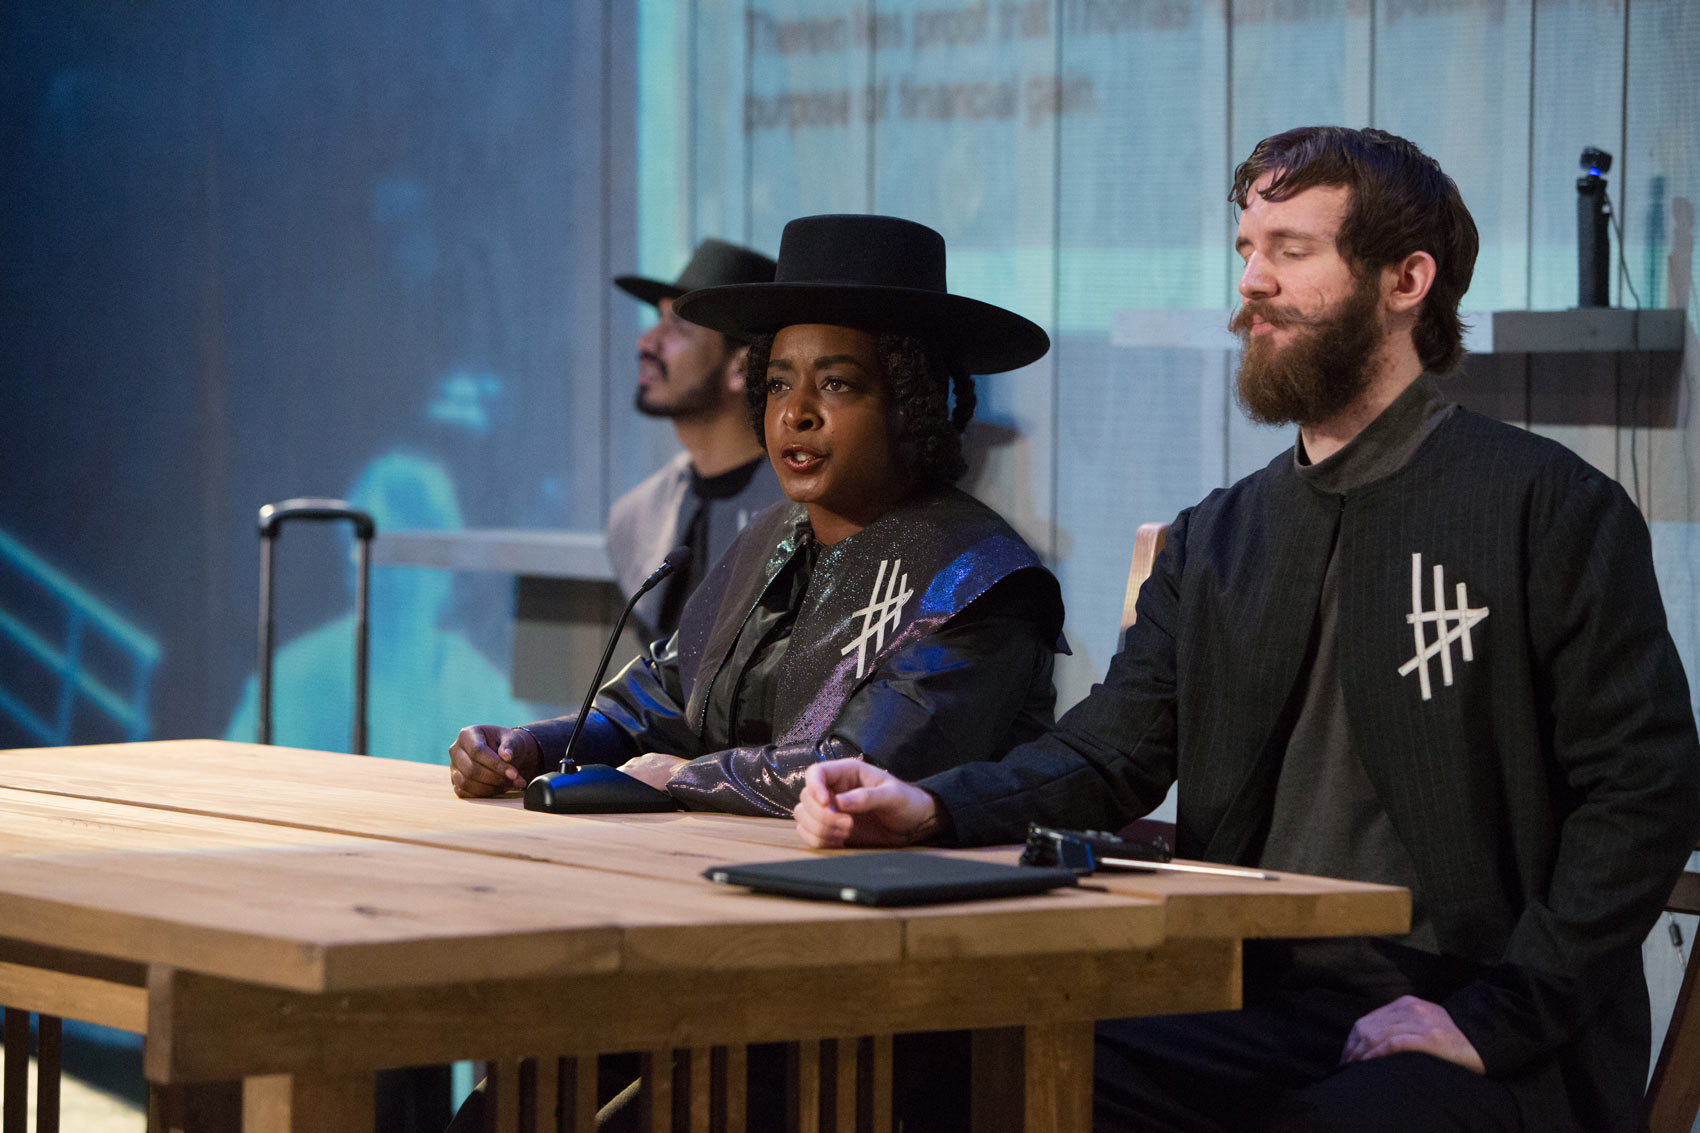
1410 1024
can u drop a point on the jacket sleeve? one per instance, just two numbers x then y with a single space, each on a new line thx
1112 756
964 692
1624 746
641 709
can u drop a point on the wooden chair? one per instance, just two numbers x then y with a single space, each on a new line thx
14 1096
1147 541
841 1085
109 993
1673 1095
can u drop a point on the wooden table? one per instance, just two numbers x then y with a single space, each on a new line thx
294 920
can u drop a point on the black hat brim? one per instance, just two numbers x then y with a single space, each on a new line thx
982 338
650 291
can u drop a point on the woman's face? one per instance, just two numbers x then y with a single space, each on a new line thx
831 427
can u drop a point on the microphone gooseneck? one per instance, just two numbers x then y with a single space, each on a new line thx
677 559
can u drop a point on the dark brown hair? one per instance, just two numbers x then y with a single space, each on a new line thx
930 427
1401 202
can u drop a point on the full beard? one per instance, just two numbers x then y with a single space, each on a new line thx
1322 371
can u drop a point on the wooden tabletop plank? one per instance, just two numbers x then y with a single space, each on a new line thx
37 824
679 848
316 790
356 795
311 919
369 797
1294 904
312 789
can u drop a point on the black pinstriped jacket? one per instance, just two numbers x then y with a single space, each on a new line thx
1546 784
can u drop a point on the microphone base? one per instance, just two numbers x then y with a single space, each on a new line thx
595 789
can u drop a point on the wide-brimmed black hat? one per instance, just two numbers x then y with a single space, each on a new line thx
715 262
874 273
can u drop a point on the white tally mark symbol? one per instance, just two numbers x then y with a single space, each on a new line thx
1450 625
880 612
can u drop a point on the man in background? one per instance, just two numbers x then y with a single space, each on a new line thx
701 498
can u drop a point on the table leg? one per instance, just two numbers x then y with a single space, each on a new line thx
205 1107
294 1103
1059 1077
997 1065
1036 1078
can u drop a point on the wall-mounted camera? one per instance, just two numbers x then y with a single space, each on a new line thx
1595 161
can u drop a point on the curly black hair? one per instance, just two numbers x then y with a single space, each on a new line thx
930 428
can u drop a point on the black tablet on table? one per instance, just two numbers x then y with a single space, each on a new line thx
894 878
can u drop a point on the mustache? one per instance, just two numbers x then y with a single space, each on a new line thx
653 359
1280 317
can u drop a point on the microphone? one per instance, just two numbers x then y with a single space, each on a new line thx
597 788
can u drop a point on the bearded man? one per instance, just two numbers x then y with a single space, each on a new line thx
693 377
1421 647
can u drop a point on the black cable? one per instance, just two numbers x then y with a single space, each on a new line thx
1641 362
1623 264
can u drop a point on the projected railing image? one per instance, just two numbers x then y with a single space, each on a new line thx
68 653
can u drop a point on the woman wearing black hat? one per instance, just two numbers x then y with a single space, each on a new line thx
881 611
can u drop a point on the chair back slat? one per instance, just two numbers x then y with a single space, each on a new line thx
1147 542
1685 898
1673 1093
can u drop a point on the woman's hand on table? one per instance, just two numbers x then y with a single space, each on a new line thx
655 768
486 760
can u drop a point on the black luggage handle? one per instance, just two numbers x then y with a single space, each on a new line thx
272 517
